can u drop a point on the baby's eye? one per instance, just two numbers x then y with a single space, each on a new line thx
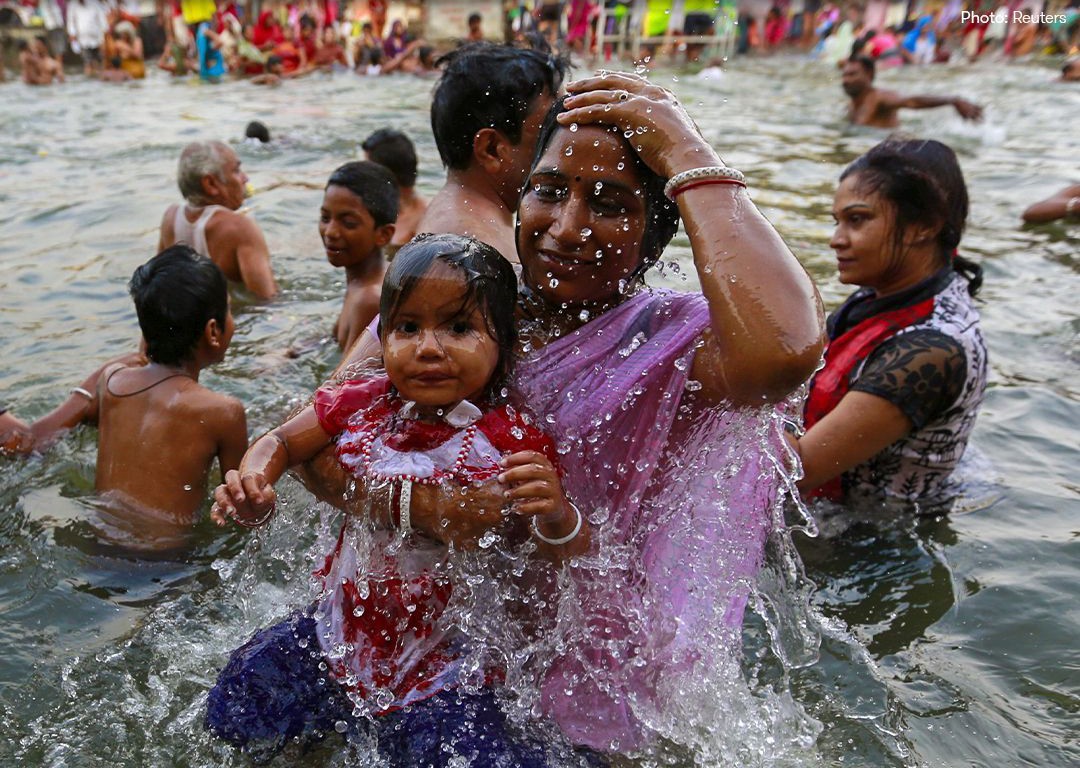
460 327
407 327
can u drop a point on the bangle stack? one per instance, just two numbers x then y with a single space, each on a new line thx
562 539
400 501
698 177
404 502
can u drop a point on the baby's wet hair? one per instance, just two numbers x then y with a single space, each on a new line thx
374 184
176 294
490 286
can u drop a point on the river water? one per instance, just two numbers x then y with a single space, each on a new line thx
945 641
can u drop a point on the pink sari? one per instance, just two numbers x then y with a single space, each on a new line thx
682 499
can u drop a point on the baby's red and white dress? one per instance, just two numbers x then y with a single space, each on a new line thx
381 617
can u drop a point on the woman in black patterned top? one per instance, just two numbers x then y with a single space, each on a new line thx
890 413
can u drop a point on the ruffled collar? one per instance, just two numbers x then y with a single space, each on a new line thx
460 416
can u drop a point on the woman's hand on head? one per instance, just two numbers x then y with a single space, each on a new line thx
660 130
247 499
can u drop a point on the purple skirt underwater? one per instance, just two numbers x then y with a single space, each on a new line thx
275 689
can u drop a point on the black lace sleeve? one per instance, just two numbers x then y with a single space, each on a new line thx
922 373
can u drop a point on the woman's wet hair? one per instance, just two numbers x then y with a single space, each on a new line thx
490 287
661 214
176 294
922 180
374 185
485 85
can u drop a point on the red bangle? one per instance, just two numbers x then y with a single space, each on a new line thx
702 182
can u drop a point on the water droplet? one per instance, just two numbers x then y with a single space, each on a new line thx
628 134
621 165
489 538
585 232
573 127
187 487
569 151
554 282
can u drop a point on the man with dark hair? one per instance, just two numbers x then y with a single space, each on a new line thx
476 32
485 114
393 150
878 108
209 220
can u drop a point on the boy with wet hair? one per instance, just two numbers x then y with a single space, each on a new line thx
485 114
159 430
393 150
356 222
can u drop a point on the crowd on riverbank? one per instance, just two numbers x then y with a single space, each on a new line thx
291 39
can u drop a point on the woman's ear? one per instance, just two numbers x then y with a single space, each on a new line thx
921 234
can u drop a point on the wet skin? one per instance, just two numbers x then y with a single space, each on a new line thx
582 218
437 349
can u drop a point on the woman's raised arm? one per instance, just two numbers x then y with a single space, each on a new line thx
767 324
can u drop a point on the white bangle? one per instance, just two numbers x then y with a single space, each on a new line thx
718 172
404 500
84 392
563 539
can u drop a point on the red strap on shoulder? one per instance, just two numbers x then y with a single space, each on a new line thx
842 355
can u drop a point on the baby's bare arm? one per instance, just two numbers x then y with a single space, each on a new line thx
247 494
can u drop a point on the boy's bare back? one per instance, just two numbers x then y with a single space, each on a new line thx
159 433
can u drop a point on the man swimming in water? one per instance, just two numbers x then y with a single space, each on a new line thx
878 108
486 113
213 185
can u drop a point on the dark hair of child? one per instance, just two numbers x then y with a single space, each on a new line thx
392 148
257 130
374 185
176 294
490 286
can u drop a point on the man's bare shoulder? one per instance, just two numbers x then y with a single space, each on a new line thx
454 214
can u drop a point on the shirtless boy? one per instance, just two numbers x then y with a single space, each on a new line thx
393 150
486 114
159 430
356 222
878 108
213 186
37 64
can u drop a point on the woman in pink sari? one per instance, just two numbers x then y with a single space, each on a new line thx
667 411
